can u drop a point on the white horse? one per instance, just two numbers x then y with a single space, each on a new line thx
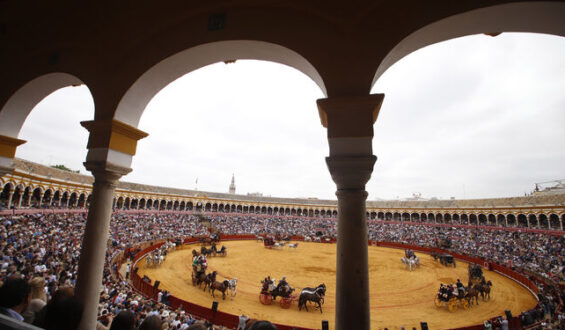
232 286
278 245
408 263
292 246
307 239
416 261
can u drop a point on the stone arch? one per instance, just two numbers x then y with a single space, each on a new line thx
81 200
447 218
533 220
473 219
120 203
554 221
522 220
423 217
456 218
73 199
464 219
511 220
530 16
15 111
135 100
501 220
491 220
543 221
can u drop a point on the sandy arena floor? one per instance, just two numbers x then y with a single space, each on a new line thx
398 297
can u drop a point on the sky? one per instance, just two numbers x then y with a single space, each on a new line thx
474 117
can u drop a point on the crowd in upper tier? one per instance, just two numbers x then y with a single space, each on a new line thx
44 250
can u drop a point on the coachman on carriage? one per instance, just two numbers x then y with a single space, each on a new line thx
269 241
199 265
452 296
270 292
475 274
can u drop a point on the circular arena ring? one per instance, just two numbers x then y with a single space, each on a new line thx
398 297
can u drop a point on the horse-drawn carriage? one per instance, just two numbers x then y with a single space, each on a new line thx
271 243
213 251
270 292
451 298
445 259
475 274
410 260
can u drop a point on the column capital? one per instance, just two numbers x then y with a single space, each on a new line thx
351 172
350 116
106 172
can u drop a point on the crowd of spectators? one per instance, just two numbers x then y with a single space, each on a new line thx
43 251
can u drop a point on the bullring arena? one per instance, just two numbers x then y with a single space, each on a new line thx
398 297
518 248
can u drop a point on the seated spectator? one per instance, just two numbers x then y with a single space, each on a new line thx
14 297
38 299
125 320
152 322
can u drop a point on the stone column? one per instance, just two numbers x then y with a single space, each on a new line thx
92 256
350 132
352 288
29 196
10 196
41 197
20 198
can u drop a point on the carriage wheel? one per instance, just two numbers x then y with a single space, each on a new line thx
452 305
465 303
437 301
286 302
265 299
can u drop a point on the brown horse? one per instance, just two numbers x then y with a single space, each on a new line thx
220 286
198 278
484 289
472 292
210 278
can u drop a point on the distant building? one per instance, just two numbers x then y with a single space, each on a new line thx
232 185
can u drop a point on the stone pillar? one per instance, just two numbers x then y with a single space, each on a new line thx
92 256
68 200
41 197
29 196
20 198
350 131
10 196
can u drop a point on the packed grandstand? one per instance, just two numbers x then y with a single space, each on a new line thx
41 240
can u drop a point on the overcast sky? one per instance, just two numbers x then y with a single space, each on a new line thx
470 118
